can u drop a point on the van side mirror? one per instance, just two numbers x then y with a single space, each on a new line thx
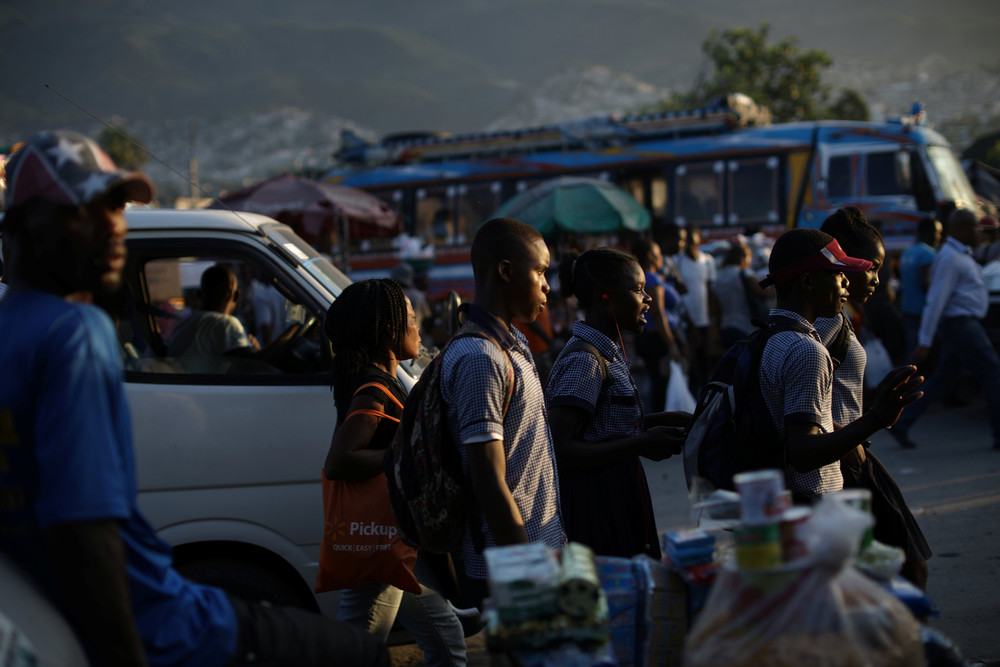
452 315
904 177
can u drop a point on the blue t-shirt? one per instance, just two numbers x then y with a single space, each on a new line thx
912 260
671 300
66 455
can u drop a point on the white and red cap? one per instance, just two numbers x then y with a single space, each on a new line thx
830 257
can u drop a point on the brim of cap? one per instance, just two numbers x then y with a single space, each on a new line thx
853 264
138 187
828 258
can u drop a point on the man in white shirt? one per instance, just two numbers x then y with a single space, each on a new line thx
957 300
697 270
214 331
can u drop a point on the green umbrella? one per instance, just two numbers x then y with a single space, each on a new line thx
573 204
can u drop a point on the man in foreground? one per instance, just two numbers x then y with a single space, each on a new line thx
69 515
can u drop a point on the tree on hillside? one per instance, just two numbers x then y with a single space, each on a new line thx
986 149
779 76
127 151
849 105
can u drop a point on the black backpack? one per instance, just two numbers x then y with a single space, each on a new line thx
427 484
731 430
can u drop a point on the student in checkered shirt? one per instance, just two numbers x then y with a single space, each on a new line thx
807 268
597 424
508 452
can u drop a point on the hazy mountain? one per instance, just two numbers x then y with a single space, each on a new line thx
395 64
270 85
578 91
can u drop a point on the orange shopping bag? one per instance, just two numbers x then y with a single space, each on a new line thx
361 542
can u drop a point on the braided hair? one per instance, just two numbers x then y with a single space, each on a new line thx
366 320
593 271
856 236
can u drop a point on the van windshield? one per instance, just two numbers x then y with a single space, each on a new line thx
334 280
954 184
320 268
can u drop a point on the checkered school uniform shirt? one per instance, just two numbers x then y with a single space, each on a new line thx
473 372
796 379
849 377
576 381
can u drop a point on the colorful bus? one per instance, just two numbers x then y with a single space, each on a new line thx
725 168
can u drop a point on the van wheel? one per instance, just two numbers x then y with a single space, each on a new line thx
245 580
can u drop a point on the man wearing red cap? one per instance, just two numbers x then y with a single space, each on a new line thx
69 515
807 268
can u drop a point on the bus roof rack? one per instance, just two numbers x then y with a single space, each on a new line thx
724 113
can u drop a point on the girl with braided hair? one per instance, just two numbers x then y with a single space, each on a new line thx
372 327
895 524
598 426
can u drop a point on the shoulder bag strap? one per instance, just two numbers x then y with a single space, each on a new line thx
375 413
383 389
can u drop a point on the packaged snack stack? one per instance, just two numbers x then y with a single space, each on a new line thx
523 580
540 601
622 593
579 590
689 553
762 502
662 616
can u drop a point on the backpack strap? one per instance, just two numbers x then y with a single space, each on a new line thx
776 323
838 346
472 330
580 345
473 512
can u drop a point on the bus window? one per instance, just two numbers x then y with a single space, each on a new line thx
699 193
637 188
880 175
434 215
838 182
474 203
649 188
753 191
658 195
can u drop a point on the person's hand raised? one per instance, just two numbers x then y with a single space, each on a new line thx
899 388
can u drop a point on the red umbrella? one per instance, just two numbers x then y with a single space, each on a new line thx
316 209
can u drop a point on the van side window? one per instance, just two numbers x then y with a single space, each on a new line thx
880 175
839 182
214 315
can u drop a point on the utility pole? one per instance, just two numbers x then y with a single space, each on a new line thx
193 161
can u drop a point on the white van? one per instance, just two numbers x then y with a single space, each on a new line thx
229 450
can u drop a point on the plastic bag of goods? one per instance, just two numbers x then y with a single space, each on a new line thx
818 610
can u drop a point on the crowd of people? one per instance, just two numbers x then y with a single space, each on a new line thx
693 327
549 457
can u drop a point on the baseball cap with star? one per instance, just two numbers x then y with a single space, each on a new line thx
69 169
